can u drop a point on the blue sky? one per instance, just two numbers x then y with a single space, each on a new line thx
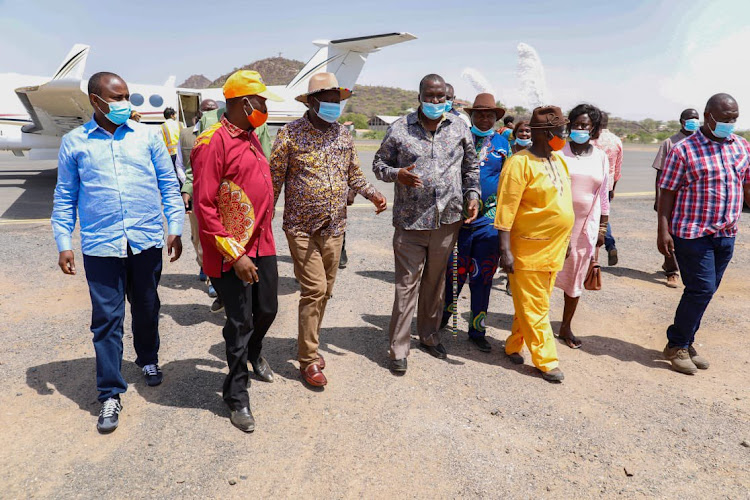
634 58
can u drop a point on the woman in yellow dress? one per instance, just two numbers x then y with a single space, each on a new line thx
535 217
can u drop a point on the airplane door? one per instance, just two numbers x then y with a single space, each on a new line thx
188 102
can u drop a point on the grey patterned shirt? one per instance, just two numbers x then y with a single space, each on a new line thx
446 162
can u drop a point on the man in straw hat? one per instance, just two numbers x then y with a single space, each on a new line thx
430 156
478 250
314 158
535 217
233 201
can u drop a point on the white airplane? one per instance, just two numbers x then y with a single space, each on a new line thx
35 111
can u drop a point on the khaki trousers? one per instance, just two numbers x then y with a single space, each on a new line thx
316 260
194 237
420 257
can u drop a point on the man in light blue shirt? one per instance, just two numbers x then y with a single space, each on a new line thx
116 175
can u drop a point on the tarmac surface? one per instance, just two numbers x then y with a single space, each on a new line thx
622 424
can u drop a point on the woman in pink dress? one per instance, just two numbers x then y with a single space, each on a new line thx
589 170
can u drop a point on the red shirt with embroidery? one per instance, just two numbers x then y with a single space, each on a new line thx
232 197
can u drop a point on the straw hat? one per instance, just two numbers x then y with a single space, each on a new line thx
321 82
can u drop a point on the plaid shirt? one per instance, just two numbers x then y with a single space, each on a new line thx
708 177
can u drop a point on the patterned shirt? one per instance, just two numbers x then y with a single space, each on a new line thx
492 152
708 177
233 197
317 168
445 161
612 145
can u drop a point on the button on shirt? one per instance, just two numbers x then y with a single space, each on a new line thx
117 184
317 168
232 197
445 161
708 177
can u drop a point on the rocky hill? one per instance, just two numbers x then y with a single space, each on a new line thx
196 82
367 100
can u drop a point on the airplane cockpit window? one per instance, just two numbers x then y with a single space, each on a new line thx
155 100
136 99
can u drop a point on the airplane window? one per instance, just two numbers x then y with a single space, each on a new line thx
156 100
136 99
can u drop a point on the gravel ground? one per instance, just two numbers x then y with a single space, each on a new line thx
622 424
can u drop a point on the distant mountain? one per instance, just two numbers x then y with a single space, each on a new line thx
274 70
371 100
196 82
367 100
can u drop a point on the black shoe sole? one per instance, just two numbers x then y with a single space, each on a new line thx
247 431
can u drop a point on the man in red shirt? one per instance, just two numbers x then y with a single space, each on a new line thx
233 201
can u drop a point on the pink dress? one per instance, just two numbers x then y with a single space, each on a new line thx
588 182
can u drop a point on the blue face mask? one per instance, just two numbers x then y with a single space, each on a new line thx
479 133
329 111
433 111
448 106
580 136
523 142
119 111
722 129
692 124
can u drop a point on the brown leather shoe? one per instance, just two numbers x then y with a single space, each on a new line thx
313 376
321 361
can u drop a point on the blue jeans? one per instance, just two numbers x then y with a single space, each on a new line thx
609 240
111 280
702 262
478 255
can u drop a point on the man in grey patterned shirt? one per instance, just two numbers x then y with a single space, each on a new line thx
430 156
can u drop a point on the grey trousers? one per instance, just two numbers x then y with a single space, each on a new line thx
421 257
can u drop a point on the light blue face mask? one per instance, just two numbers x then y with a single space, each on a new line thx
329 111
119 111
448 106
580 136
479 133
523 142
692 124
433 111
723 129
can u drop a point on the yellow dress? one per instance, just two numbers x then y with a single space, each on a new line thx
535 205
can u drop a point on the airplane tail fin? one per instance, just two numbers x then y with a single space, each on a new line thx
345 58
74 63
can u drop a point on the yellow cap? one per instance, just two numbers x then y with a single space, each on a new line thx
245 82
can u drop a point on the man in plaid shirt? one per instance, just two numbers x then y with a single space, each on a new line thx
701 200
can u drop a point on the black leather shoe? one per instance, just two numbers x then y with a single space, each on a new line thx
481 343
262 370
398 365
435 350
243 419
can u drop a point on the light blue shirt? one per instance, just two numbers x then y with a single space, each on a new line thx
117 185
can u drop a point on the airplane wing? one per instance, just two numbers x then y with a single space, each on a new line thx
60 105
344 57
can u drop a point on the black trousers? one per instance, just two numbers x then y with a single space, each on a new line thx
250 311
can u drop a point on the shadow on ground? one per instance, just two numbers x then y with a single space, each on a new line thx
635 274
